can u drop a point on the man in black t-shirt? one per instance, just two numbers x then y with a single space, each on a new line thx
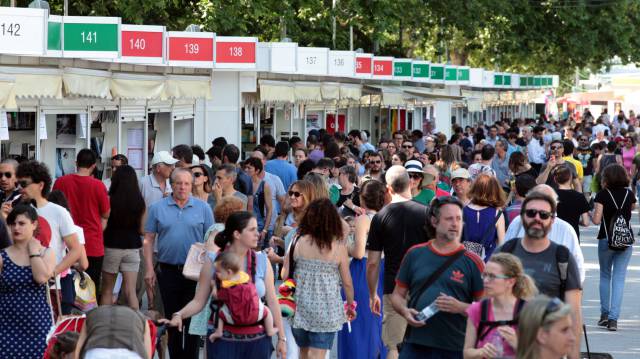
572 206
394 229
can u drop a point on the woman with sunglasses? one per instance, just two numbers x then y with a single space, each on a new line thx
202 184
545 329
613 263
492 322
25 268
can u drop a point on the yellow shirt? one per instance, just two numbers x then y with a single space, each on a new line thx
577 164
243 277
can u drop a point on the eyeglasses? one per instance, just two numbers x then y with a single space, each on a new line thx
295 194
531 213
490 277
198 174
415 176
553 306
555 148
24 183
407 146
6 174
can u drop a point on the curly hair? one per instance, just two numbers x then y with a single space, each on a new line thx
38 172
322 223
226 206
486 191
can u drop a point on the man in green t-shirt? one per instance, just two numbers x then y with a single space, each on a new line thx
459 284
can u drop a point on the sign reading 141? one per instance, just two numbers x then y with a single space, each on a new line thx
92 37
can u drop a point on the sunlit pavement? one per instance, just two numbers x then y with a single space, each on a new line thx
625 343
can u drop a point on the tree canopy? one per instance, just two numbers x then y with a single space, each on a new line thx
527 36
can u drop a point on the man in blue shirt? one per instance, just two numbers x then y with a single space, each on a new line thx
355 136
280 167
175 222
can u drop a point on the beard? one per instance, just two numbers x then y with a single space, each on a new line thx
449 236
535 232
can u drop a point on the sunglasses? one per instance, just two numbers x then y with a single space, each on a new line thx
531 213
376 162
555 148
553 306
295 194
24 183
490 277
6 174
583 139
407 146
198 174
415 176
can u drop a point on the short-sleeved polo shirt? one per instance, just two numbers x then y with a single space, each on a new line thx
178 228
150 189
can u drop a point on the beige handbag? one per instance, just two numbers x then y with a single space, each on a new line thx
195 261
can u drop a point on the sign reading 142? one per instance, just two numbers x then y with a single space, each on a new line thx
23 31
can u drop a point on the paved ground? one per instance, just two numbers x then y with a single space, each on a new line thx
625 343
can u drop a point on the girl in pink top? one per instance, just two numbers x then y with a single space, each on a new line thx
506 286
628 153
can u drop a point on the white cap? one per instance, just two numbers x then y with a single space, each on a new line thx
163 157
413 166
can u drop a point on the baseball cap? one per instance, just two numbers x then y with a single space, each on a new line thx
460 173
163 157
413 166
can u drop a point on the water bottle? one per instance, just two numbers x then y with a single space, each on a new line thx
498 343
427 312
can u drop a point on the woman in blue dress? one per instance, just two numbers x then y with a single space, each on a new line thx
25 267
365 339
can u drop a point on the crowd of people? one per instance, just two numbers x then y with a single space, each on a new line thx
421 246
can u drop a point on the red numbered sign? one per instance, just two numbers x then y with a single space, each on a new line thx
383 67
230 51
363 65
142 44
190 49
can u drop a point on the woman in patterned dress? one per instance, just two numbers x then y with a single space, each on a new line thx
25 267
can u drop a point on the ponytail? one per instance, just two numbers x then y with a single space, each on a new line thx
525 287
221 240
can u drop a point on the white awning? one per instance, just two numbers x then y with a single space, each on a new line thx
134 86
34 83
277 91
428 93
6 91
188 87
330 91
350 92
307 92
87 83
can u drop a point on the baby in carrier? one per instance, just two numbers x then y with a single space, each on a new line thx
241 304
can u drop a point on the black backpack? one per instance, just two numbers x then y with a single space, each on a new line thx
618 232
486 326
562 259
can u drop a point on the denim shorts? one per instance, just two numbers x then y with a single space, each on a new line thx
307 339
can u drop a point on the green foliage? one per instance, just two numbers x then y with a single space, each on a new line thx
530 36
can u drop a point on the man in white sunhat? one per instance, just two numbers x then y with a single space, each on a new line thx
461 183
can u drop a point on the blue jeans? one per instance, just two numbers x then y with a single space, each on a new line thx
613 270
